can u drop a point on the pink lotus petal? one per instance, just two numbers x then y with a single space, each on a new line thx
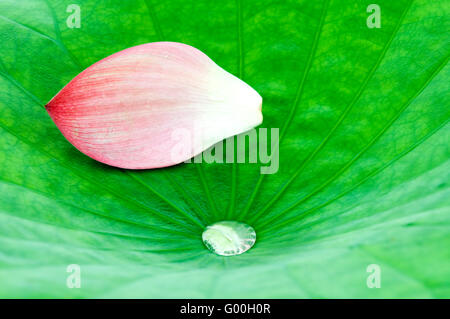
153 105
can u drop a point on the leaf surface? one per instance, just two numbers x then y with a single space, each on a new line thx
364 155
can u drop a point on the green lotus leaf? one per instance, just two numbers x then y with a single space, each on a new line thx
364 155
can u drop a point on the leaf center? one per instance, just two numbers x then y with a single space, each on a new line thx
229 238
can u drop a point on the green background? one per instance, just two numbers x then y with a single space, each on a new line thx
364 155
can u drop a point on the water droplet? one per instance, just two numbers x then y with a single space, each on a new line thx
229 238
